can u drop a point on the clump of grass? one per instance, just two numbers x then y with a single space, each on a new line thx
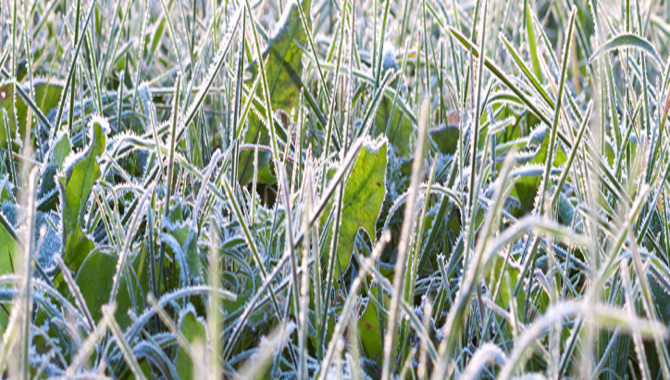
324 189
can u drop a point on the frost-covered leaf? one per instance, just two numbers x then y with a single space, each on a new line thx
75 187
364 194
95 279
193 329
9 246
47 194
530 173
283 69
369 329
47 95
390 120
628 40
182 243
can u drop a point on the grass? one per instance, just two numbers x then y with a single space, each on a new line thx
324 189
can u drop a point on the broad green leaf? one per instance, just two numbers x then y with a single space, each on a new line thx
60 150
193 330
182 243
47 94
445 138
9 253
628 40
364 193
75 187
47 194
95 279
6 191
508 281
283 68
12 224
7 106
530 173
9 246
390 120
369 329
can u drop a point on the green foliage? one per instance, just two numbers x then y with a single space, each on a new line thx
364 193
75 185
183 248
96 277
193 331
528 236
10 247
46 96
369 329
283 70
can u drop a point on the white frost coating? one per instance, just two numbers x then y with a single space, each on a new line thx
537 135
43 79
524 157
373 145
102 121
179 255
527 170
275 341
73 158
388 58
502 124
283 19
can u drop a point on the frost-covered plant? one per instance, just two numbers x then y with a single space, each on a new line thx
323 189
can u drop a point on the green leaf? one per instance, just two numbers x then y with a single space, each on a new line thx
47 94
283 69
369 329
627 40
10 250
75 187
6 193
193 330
532 43
47 194
364 193
6 105
390 120
187 240
445 138
182 244
95 279
507 279
60 150
530 173
9 246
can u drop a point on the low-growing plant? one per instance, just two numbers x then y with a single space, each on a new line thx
324 189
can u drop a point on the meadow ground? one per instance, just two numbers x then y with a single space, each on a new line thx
334 188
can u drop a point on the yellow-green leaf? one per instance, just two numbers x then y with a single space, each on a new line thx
364 194
283 69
